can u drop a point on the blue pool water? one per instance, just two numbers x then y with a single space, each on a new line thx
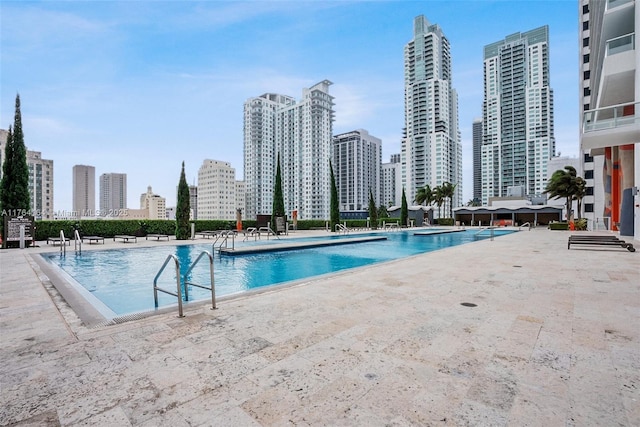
122 279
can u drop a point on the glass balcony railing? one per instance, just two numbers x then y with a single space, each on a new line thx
621 44
611 117
615 3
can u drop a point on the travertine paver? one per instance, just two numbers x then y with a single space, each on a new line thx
554 340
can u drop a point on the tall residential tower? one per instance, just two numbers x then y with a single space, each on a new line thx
113 194
300 134
610 107
356 166
84 191
517 112
431 148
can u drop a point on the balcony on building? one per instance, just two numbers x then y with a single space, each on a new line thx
610 126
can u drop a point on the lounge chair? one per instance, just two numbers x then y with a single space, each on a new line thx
157 236
93 239
126 238
599 241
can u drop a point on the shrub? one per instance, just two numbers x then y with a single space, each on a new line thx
558 226
581 224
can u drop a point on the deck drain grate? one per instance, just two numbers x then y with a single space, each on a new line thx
468 304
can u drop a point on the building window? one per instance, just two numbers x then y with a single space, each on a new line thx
589 191
588 207
588 174
586 75
585 25
585 8
585 107
585 42
585 58
588 158
586 91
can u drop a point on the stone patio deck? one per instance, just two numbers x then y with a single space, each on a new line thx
554 339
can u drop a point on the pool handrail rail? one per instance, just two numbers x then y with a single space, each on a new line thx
211 287
63 244
178 285
526 224
489 227
342 227
77 242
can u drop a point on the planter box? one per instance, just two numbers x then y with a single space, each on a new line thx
558 226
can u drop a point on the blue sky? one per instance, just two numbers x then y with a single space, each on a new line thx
137 87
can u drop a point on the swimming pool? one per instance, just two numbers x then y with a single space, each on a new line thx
120 281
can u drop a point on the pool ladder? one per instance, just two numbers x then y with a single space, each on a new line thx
182 283
483 229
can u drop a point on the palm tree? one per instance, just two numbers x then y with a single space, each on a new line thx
580 192
448 191
438 198
424 195
474 202
563 184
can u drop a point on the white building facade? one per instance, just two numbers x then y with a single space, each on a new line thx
216 190
391 182
84 191
113 194
431 148
300 134
155 204
518 131
610 113
356 167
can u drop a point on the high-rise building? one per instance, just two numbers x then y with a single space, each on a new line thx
216 190
477 160
84 191
610 113
40 180
431 148
40 185
155 204
241 199
517 111
299 134
113 194
391 182
356 167
193 201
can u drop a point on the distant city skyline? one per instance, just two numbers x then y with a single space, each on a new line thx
139 87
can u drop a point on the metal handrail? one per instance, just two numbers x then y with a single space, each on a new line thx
63 244
178 287
211 287
77 242
341 227
490 228
528 224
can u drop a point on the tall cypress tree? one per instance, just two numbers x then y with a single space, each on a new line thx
404 210
278 198
334 207
15 174
183 208
373 212
7 171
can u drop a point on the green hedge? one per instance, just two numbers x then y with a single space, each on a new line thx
443 221
140 228
558 226
110 228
